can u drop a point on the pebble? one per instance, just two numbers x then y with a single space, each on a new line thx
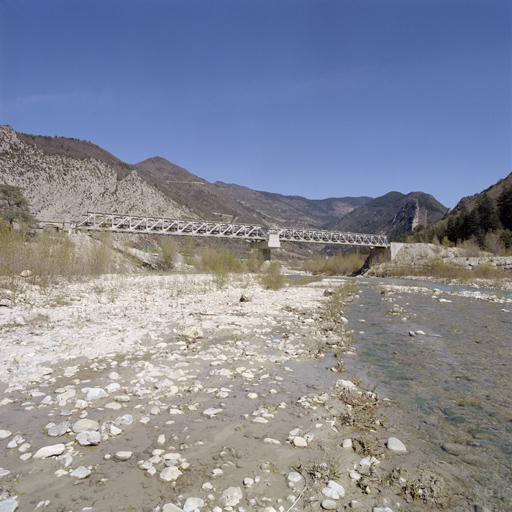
89 438
329 505
123 455
85 424
4 434
58 430
338 488
294 477
347 443
171 507
211 412
395 445
9 505
299 442
80 473
192 504
231 497
49 451
170 474
95 394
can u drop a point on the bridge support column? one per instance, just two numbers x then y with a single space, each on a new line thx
272 242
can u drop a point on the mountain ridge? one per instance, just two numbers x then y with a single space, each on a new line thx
67 177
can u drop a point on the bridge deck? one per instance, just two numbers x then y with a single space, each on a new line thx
163 226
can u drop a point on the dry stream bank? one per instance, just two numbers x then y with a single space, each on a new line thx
149 393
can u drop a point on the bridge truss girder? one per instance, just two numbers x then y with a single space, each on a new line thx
331 237
164 226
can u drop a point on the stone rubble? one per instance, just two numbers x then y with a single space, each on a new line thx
175 396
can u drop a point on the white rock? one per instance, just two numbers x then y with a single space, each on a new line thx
113 375
171 507
81 404
248 482
211 412
259 419
80 473
354 475
161 440
95 394
299 442
58 430
9 505
193 332
337 487
381 509
113 387
294 477
114 431
89 438
193 504
123 455
395 445
347 443
49 451
330 493
4 434
170 474
329 505
85 424
252 396
127 419
231 497
113 406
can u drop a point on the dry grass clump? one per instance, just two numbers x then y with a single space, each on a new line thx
340 264
442 269
42 257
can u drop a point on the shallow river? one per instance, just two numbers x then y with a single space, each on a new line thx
451 386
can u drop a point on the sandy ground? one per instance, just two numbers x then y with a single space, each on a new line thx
149 393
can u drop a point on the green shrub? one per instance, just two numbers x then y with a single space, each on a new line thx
168 250
273 279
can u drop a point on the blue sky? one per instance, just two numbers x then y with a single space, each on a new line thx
302 97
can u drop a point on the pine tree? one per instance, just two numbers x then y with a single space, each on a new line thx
505 208
489 220
14 207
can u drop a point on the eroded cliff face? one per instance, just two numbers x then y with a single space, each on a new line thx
63 188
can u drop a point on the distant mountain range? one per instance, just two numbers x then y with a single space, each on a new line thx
65 178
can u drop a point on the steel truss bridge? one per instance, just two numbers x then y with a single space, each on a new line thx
162 226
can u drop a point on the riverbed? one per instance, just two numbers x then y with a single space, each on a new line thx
445 363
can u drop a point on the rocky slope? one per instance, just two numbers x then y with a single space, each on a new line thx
392 214
61 187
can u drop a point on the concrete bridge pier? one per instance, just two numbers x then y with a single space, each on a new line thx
272 242
384 254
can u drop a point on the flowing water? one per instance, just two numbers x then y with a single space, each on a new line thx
452 386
